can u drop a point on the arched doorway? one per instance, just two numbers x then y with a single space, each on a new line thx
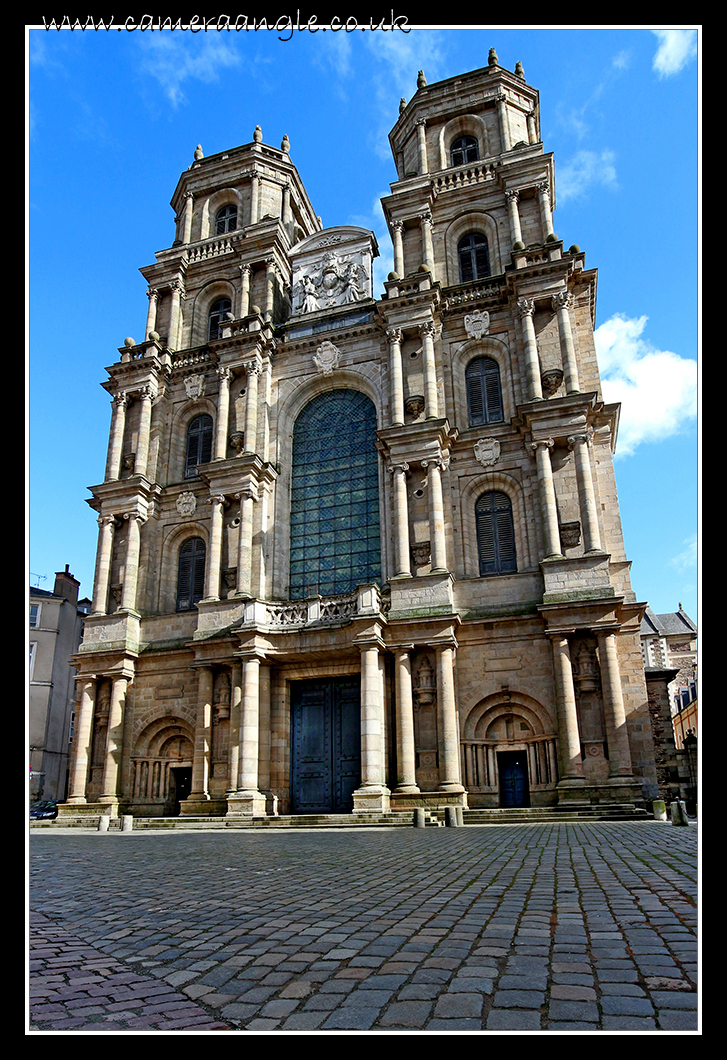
161 768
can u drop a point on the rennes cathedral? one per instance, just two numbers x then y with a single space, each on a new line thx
361 555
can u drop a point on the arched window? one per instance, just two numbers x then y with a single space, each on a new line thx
474 257
335 538
226 220
190 573
199 445
216 316
495 533
464 150
484 393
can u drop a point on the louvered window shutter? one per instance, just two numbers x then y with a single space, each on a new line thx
484 393
199 445
495 534
190 576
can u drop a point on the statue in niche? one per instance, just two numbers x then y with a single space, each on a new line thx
587 680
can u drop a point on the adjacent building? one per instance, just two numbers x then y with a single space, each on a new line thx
360 552
56 630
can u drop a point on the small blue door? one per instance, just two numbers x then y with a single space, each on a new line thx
325 744
513 769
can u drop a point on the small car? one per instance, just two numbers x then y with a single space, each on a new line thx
44 811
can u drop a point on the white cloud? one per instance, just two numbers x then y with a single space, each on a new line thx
171 59
657 389
585 169
688 557
676 48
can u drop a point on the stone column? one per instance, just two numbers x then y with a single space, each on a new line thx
372 795
431 400
248 800
401 520
253 369
141 461
247 498
580 444
116 437
513 197
570 746
427 226
131 565
546 213
422 146
285 214
619 752
449 768
548 505
223 413
526 308
151 313
106 527
81 750
436 514
405 749
233 761
188 206
245 274
561 304
254 196
397 235
396 377
114 741
202 736
212 586
175 314
269 287
504 123
532 128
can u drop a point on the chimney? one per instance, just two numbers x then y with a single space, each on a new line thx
66 586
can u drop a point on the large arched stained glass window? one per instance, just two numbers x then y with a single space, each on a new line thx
335 541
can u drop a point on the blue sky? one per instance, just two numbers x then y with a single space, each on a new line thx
114 118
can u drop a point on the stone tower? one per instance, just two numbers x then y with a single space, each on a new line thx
363 554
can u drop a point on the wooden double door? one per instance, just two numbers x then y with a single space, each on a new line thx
325 744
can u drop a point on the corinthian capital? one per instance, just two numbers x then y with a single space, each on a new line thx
526 307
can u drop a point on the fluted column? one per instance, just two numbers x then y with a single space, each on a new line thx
147 395
106 527
202 734
120 404
401 520
233 760
214 556
422 146
619 752
513 212
396 377
397 235
223 413
427 226
449 771
405 749
254 196
131 565
188 207
561 304
151 313
247 499
81 750
580 444
546 212
548 504
436 514
269 287
503 120
431 400
570 744
245 274
114 741
175 314
526 308
253 369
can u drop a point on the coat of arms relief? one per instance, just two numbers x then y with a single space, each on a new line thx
337 279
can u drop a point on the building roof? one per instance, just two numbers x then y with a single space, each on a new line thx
667 625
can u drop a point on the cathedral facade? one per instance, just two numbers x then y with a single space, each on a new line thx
360 554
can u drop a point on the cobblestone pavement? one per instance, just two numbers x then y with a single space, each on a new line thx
547 927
